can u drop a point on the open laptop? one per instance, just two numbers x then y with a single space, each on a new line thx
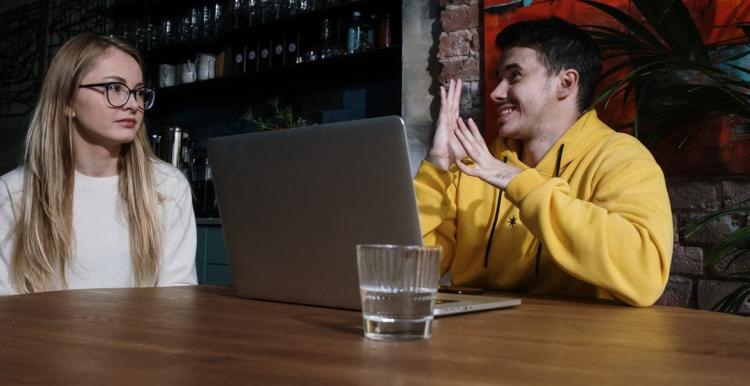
295 203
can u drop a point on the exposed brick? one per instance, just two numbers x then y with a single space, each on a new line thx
466 69
456 43
470 95
476 40
711 292
460 2
734 192
693 195
679 292
712 232
724 269
471 102
460 17
687 260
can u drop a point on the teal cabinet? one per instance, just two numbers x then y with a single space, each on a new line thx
211 258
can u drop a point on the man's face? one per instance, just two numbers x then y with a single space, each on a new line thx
523 96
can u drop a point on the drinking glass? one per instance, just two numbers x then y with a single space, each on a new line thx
397 285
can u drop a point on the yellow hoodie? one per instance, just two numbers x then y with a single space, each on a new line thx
592 219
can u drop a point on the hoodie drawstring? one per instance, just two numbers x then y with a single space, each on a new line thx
494 223
556 174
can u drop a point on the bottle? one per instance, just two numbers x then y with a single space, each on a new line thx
196 23
368 35
278 46
354 34
237 62
199 186
327 44
292 48
155 142
186 157
218 18
264 53
210 209
238 15
251 59
384 31
206 21
175 146
252 12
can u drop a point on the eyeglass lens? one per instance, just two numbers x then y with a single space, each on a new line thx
119 94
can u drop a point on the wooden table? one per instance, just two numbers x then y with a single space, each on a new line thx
206 336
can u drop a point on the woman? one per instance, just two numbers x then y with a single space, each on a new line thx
91 206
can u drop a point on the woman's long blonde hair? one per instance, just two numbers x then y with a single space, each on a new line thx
44 241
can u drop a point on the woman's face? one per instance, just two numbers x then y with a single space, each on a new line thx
96 121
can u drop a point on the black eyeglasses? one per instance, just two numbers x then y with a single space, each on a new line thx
118 94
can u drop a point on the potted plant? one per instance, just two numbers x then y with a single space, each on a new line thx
681 88
281 117
680 85
733 247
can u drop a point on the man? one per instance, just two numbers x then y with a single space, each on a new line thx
559 203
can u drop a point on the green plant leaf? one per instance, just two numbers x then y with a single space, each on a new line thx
738 68
628 22
706 92
615 68
608 39
733 302
694 226
673 23
737 241
736 57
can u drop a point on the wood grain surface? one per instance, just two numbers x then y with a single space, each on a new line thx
206 336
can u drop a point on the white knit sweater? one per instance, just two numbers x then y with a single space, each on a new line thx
102 245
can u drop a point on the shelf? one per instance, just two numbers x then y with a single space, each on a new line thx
369 66
207 221
307 21
172 8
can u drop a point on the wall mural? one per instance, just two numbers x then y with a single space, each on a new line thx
711 19
18 63
19 56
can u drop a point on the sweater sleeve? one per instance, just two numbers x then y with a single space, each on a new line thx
436 198
177 265
620 240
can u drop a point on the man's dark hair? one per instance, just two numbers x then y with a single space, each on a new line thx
560 46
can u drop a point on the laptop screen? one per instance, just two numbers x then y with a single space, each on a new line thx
294 204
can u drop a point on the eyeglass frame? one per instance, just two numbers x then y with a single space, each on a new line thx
130 92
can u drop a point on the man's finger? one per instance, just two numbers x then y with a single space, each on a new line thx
465 131
475 130
451 91
469 148
464 168
457 95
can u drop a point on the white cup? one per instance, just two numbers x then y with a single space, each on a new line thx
206 63
166 75
188 72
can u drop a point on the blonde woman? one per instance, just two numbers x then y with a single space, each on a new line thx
90 206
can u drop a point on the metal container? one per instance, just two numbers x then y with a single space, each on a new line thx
172 147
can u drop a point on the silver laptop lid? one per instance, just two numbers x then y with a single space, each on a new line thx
294 204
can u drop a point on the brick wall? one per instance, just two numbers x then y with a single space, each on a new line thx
459 51
690 285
